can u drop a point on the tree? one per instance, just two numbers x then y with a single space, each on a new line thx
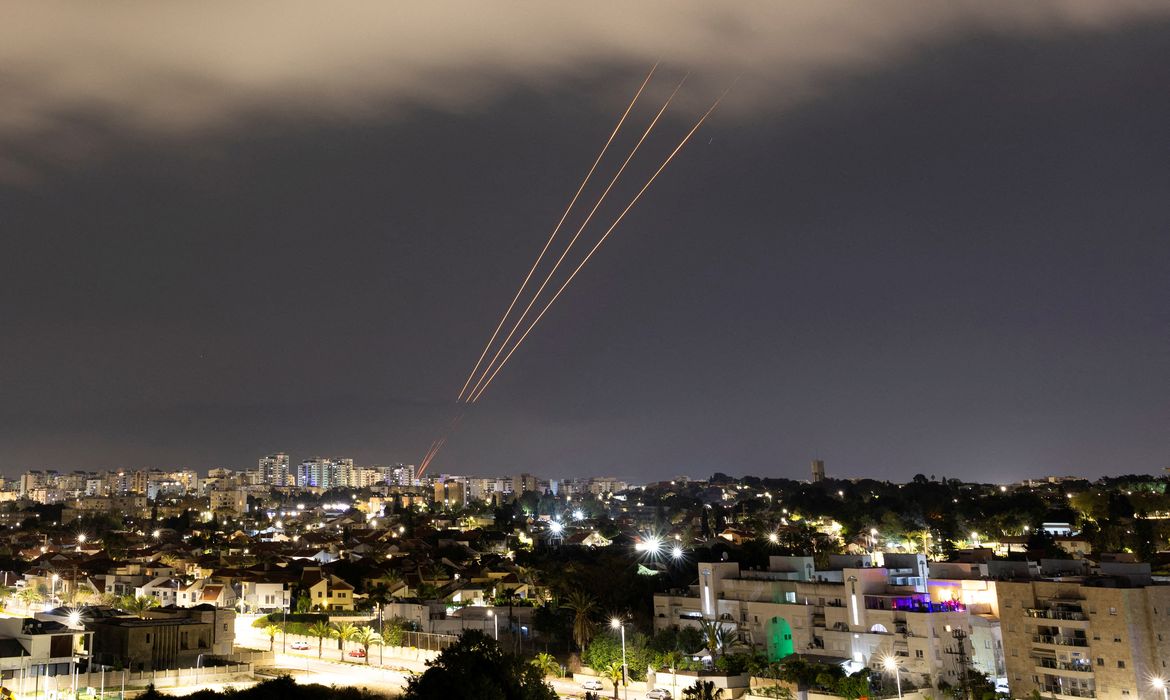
547 664
476 668
702 690
366 636
304 604
378 595
320 630
583 606
718 637
343 632
138 605
271 631
29 596
613 672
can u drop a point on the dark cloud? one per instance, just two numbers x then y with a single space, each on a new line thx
175 68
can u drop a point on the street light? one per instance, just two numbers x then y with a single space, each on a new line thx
53 590
618 625
891 664
495 625
1159 683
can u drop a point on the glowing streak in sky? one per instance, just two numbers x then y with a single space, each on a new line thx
553 235
477 394
437 445
573 240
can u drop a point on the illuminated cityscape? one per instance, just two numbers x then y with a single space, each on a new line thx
657 350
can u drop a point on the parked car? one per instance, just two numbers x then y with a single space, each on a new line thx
358 653
592 684
300 646
658 694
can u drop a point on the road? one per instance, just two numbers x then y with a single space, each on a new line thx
338 668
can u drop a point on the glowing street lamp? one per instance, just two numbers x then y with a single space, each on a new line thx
676 553
618 625
495 624
773 537
891 664
1159 683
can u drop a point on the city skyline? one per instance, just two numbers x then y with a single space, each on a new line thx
927 242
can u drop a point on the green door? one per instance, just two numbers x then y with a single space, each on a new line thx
779 639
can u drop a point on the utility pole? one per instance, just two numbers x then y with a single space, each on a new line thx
961 644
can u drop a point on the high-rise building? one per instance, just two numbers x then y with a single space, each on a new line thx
325 473
402 475
450 493
818 471
1077 633
274 469
523 483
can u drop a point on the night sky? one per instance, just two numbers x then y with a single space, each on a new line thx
930 241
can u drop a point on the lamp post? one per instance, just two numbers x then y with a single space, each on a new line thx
495 624
619 625
53 590
1160 683
891 665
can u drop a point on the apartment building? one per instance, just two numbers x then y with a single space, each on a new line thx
1075 632
852 611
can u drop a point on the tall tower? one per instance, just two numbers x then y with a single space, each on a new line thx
274 469
818 471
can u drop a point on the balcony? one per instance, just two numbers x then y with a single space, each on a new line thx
1081 670
1069 692
1060 640
1047 614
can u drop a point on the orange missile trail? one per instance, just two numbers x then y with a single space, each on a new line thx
476 395
426 458
556 229
573 240
438 444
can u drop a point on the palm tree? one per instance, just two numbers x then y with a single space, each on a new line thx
382 592
138 605
320 630
29 596
547 664
583 606
343 632
719 638
379 641
613 672
366 636
271 631
703 690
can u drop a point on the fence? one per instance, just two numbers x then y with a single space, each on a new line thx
247 656
428 641
106 684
